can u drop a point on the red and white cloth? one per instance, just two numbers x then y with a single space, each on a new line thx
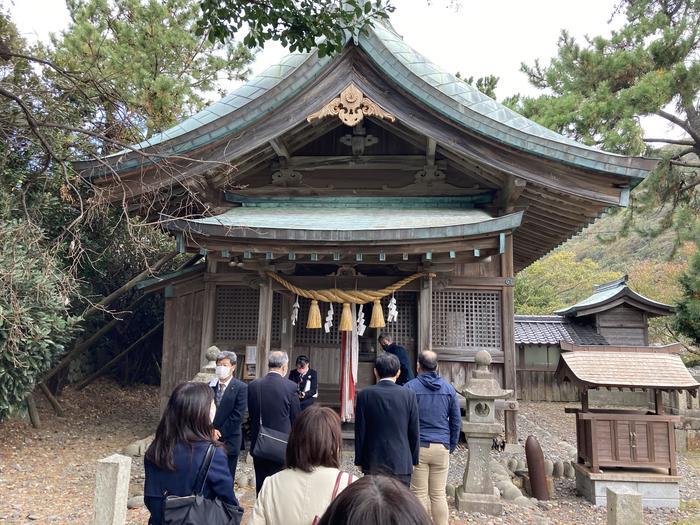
349 355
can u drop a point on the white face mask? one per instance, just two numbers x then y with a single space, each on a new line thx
212 411
222 372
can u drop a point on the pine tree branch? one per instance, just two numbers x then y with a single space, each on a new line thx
680 123
682 142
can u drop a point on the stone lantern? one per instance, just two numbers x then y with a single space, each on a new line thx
476 494
208 371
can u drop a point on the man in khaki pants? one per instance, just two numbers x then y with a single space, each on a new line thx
438 411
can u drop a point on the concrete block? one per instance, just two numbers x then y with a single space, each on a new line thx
558 469
624 507
112 490
548 467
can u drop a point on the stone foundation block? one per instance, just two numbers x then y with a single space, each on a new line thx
624 506
112 489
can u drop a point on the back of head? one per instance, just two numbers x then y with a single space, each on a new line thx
277 360
428 360
387 365
315 440
186 419
376 500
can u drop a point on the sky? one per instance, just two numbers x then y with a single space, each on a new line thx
476 39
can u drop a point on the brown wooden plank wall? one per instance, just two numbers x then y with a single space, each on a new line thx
623 325
540 385
182 332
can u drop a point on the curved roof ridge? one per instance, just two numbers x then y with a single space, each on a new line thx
611 292
236 99
481 113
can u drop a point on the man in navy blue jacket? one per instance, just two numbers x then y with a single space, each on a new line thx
440 424
399 351
386 424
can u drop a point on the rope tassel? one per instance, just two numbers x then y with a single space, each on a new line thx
346 319
314 320
377 320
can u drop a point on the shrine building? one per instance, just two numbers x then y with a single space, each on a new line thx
330 182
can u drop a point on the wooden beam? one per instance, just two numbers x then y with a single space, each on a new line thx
280 148
430 152
365 162
425 315
511 192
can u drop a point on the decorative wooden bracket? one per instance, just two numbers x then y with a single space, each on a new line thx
351 107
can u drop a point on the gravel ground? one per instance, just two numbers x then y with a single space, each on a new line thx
48 475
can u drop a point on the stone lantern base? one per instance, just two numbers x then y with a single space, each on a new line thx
483 503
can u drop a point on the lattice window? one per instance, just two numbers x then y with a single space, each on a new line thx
275 332
317 336
236 313
466 319
404 330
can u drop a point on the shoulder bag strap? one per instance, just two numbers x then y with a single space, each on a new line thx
203 471
337 485
260 402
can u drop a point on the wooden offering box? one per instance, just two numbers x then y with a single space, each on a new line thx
626 438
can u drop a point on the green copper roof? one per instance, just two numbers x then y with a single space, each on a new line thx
402 203
437 89
609 292
415 219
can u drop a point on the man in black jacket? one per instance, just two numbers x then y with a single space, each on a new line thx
306 380
399 351
273 399
231 399
386 424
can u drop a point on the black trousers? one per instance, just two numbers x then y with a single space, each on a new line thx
263 469
233 449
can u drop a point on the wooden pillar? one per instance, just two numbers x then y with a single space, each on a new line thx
659 402
208 313
508 337
286 328
425 315
264 327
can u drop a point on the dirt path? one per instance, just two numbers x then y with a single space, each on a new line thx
48 475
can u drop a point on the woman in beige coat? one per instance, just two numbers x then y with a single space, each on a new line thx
302 492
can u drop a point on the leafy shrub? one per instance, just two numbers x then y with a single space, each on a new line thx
35 325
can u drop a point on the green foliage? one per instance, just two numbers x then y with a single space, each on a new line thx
597 91
557 281
487 85
297 24
35 324
141 62
687 319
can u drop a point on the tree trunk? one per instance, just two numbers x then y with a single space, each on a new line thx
33 412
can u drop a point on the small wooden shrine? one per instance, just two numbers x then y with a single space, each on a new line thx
636 446
349 174
614 315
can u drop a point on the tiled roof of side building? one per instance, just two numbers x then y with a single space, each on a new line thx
551 329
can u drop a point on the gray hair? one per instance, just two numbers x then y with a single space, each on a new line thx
231 356
277 359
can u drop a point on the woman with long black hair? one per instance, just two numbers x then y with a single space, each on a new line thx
173 460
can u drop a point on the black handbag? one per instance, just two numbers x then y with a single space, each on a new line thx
198 510
270 445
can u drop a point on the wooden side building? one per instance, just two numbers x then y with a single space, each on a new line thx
353 172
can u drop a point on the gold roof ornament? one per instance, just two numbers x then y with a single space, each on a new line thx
351 107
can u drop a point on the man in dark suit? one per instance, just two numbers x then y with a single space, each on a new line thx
306 380
386 424
231 399
275 399
399 351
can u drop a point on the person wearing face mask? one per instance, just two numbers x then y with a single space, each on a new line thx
306 379
399 351
231 400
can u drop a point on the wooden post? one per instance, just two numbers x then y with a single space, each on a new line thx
425 315
208 313
508 338
54 402
33 412
264 327
286 328
659 398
